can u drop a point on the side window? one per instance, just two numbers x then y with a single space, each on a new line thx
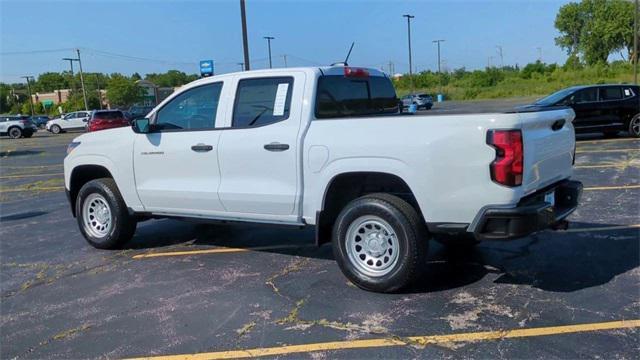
610 93
192 110
628 92
586 95
262 101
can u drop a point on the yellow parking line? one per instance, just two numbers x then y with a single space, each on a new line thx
605 151
603 228
622 187
30 167
598 166
419 340
217 251
28 175
605 141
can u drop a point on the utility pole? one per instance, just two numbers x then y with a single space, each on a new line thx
29 90
539 54
245 42
73 83
84 93
636 33
99 93
499 48
409 17
438 42
391 68
489 61
269 38
285 59
241 66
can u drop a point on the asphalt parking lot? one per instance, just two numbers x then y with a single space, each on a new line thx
229 290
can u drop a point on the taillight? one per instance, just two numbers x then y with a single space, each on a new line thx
355 72
507 168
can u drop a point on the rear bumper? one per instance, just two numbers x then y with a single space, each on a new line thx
532 213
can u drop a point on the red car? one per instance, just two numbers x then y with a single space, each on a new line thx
106 119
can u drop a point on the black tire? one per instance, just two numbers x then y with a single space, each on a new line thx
56 129
122 224
634 126
411 235
27 135
15 132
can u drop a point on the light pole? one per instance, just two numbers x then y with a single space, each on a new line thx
84 93
269 38
438 42
409 17
285 60
499 48
245 42
29 90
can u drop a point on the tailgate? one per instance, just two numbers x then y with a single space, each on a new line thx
549 143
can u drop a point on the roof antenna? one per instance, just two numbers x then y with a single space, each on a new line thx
344 63
349 54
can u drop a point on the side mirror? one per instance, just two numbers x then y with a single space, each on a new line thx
141 126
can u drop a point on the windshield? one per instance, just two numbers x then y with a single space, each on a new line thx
555 97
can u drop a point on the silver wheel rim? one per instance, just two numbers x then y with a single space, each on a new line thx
635 126
55 129
96 215
372 246
14 133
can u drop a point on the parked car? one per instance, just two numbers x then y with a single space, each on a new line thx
72 121
327 147
40 120
599 108
106 119
423 101
17 126
139 112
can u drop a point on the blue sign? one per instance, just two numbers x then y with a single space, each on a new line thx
206 68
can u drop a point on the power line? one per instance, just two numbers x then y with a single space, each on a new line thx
35 51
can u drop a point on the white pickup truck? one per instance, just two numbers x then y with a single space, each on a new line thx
327 147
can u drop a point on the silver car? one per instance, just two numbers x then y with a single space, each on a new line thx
17 126
422 101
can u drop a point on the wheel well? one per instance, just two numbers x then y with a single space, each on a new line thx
349 186
81 175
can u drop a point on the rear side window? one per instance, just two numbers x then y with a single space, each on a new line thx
610 93
194 109
262 101
340 96
629 92
109 115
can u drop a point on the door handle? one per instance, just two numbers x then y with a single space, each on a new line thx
558 125
202 148
275 146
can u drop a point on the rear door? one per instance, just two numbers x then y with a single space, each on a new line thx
611 104
260 152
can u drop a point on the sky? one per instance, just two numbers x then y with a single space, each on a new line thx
155 36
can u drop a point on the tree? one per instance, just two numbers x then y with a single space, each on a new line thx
50 81
596 28
171 78
122 91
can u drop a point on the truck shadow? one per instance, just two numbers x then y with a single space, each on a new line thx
551 261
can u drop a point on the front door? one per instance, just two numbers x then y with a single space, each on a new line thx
176 165
585 105
260 154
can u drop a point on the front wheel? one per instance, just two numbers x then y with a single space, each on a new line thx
15 133
102 215
634 126
56 129
380 243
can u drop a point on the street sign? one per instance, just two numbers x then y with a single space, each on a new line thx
206 68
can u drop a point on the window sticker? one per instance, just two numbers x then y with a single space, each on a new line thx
281 99
627 92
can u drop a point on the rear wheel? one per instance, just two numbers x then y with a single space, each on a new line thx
634 126
55 129
380 242
15 133
102 215
27 135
